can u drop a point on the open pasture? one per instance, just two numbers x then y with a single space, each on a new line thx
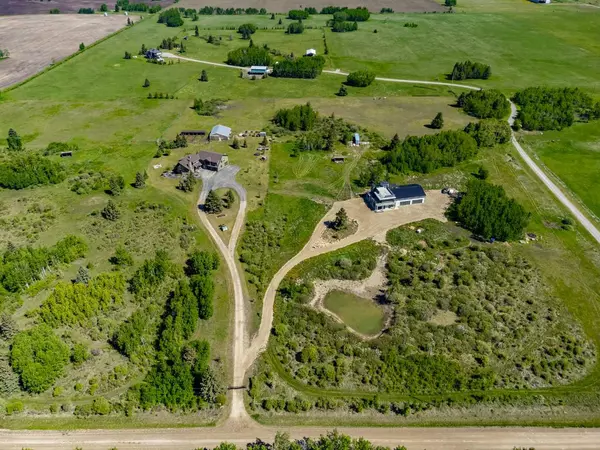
35 42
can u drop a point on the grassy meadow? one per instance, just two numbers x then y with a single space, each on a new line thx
96 100
360 314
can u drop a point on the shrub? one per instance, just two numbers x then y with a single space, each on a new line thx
485 104
101 406
39 357
361 78
438 122
246 30
338 26
13 140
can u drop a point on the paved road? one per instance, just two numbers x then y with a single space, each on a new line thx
413 438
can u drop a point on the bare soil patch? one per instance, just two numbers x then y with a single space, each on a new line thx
12 7
286 5
35 42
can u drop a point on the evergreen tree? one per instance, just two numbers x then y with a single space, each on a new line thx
395 142
228 199
438 121
341 220
146 83
272 16
83 275
140 180
245 144
196 31
116 184
236 143
204 76
483 173
187 182
343 91
280 22
117 7
213 203
103 7
181 48
8 327
81 47
111 211
14 140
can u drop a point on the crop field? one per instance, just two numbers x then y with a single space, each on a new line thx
546 292
35 42
20 7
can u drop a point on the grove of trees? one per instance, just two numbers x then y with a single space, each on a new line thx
30 170
470 70
489 132
424 154
544 108
249 56
171 17
360 78
485 104
300 117
487 211
299 67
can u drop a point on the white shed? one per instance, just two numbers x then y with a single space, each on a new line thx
310 52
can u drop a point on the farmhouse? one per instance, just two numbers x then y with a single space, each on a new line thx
389 196
201 160
220 133
153 54
258 70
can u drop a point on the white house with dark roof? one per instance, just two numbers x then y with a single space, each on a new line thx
220 133
387 196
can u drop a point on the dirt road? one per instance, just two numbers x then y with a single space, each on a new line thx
226 179
370 225
412 438
34 42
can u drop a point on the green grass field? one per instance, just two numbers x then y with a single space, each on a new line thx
97 101
360 314
573 155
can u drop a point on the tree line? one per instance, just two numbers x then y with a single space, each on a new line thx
171 17
217 10
300 117
545 108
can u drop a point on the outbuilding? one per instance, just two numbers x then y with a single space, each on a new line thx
386 196
220 133
258 70
310 52
356 139
193 133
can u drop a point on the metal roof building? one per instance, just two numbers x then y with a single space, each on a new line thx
220 133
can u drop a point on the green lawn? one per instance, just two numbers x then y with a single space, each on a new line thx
573 155
360 314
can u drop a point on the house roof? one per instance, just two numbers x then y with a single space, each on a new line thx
407 191
221 129
259 68
190 160
311 50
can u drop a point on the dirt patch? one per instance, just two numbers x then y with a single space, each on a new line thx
12 7
443 318
286 5
331 235
35 42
